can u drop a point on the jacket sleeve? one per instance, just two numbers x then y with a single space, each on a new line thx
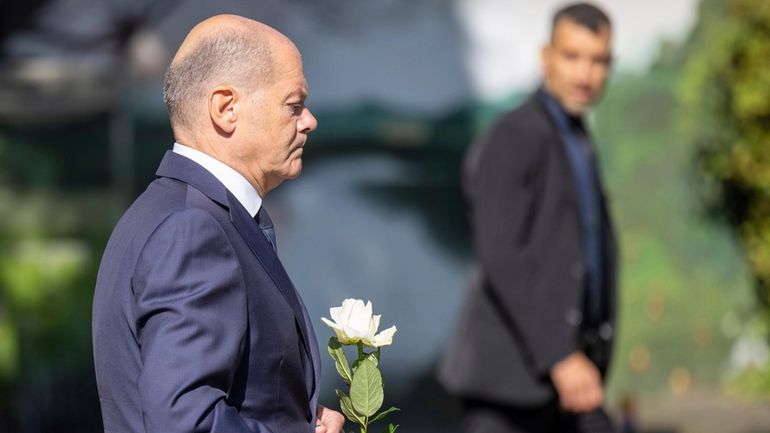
191 326
504 187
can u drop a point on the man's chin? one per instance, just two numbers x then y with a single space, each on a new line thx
295 169
577 108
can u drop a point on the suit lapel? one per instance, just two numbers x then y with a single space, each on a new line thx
315 357
181 168
265 254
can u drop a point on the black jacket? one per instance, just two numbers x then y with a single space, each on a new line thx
523 310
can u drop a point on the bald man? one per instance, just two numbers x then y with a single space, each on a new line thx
196 325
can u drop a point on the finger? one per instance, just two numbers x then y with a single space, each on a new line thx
563 400
335 425
584 403
568 400
591 397
334 421
582 396
577 400
596 397
320 428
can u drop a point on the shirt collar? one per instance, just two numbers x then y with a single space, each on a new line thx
562 117
231 179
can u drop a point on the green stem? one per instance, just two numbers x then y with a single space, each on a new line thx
361 356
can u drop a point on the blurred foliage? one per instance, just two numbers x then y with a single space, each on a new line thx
750 361
725 94
678 273
753 382
726 102
51 236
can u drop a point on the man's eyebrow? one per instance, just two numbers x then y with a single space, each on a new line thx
301 91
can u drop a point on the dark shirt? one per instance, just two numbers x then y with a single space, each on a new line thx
583 162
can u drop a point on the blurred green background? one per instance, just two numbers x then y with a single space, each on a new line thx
685 150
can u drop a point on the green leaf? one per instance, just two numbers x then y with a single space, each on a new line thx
347 408
366 391
391 428
340 360
374 357
383 414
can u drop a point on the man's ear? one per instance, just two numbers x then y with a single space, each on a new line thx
545 53
222 102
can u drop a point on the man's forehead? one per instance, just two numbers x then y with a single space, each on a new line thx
297 88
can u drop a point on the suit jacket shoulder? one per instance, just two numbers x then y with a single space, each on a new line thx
518 143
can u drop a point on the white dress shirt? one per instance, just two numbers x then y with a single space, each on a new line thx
231 179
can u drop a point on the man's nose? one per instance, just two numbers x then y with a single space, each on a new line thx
583 71
308 122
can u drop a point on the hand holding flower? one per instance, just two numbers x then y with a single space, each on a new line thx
354 324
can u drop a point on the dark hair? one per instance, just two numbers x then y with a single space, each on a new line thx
584 14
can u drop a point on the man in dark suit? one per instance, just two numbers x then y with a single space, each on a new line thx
535 336
196 325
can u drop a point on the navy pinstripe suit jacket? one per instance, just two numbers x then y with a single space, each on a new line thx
196 325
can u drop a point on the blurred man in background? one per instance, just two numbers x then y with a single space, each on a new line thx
196 325
535 337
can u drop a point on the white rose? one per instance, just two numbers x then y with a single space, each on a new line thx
354 322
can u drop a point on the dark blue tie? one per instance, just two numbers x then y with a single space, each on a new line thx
266 225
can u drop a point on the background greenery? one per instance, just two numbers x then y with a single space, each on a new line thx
725 114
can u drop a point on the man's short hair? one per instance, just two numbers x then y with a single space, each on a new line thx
227 57
584 14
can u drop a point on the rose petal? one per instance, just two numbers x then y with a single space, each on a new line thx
336 314
360 317
342 337
348 305
385 338
330 323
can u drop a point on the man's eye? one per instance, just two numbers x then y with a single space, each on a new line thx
297 108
